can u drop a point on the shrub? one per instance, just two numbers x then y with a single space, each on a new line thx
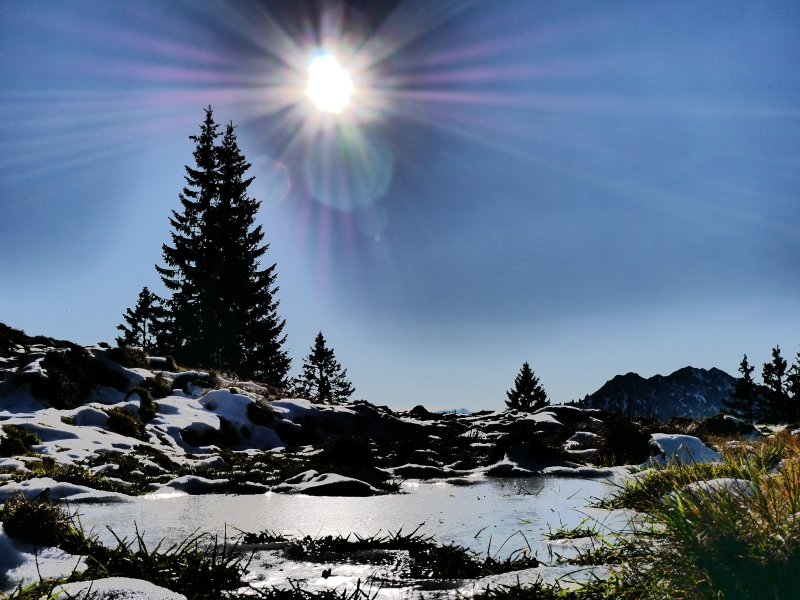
260 413
623 442
70 376
347 450
124 422
206 380
16 441
160 386
36 521
147 408
129 357
543 445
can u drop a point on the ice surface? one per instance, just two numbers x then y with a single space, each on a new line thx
116 588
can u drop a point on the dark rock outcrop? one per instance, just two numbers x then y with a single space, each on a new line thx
686 392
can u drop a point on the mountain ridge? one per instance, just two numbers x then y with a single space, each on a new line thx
688 391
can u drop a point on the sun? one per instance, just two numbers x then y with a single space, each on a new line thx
329 86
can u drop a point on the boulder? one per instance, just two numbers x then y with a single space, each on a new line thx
326 484
682 449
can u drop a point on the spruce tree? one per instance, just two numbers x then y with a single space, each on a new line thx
248 335
744 396
776 399
223 311
144 322
527 394
323 380
187 270
793 390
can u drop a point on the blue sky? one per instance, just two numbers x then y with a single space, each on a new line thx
595 188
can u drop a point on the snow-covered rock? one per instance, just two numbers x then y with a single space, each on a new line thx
682 449
325 484
730 485
58 491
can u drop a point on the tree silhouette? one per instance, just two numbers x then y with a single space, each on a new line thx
323 379
187 271
793 390
144 322
223 310
527 394
743 399
776 406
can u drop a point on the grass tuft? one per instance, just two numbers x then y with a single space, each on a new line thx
16 441
124 422
38 521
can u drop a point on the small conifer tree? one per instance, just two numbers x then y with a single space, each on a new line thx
527 394
777 404
323 380
743 399
144 322
793 390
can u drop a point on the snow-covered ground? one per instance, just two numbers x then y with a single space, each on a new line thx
179 473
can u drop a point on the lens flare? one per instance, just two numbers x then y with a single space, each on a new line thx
329 86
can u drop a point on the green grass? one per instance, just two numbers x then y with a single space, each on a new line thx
16 441
77 474
427 559
689 543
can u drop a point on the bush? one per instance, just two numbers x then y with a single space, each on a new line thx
124 422
37 521
16 441
160 386
147 408
129 357
623 442
10 338
260 413
543 445
347 450
71 374
207 380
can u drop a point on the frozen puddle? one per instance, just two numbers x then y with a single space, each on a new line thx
484 511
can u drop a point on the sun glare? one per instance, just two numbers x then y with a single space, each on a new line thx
329 86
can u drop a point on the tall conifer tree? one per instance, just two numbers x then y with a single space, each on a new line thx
187 270
223 311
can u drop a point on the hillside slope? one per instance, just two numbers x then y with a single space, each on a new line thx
686 392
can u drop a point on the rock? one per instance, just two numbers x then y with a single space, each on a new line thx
726 425
583 438
424 457
90 417
413 471
683 449
733 486
518 462
31 488
191 484
326 484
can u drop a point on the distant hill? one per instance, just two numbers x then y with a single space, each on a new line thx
686 392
